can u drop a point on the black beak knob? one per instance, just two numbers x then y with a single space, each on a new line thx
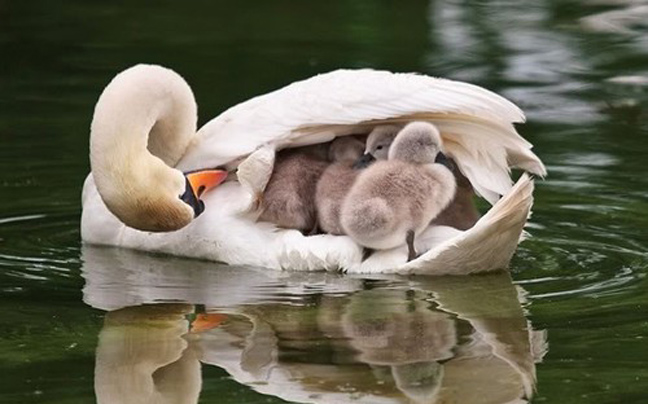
364 161
190 198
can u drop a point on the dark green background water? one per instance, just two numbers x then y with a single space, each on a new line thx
563 62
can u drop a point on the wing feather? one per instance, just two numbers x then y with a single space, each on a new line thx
476 124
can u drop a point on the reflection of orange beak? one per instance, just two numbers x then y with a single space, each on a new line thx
204 180
205 322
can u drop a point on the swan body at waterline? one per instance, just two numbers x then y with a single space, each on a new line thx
245 139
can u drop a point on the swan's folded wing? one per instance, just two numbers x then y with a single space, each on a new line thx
487 246
476 124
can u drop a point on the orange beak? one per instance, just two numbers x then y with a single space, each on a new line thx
205 322
203 180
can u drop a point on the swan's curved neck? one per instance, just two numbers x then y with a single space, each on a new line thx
143 122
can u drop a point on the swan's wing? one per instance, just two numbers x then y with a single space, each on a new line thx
487 246
476 124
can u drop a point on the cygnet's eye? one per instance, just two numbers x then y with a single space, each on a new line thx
379 147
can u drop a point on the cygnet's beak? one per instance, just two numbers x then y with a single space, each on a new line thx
199 182
364 161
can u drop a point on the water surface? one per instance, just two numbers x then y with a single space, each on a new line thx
578 287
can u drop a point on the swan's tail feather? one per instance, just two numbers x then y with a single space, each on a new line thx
487 246
514 206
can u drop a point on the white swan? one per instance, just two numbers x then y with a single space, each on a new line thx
144 125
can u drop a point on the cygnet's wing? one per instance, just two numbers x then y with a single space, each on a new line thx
476 124
487 246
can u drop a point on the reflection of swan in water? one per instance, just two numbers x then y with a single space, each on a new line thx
402 339
143 356
387 345
118 278
382 324
424 341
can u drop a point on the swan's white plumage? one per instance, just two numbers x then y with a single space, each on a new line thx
225 234
479 122
477 129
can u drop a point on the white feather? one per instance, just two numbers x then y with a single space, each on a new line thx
488 245
477 122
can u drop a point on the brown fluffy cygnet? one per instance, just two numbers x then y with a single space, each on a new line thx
289 198
336 181
461 213
393 201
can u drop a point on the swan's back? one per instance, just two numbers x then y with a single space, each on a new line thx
344 102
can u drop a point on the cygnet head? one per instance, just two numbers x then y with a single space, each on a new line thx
345 149
378 143
380 139
418 143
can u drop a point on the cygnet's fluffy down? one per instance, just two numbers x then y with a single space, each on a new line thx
394 200
289 198
336 181
378 143
461 213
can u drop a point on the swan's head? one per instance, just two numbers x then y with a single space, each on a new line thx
161 200
142 125
418 142
378 143
345 149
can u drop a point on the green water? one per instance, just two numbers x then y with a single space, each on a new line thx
580 282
